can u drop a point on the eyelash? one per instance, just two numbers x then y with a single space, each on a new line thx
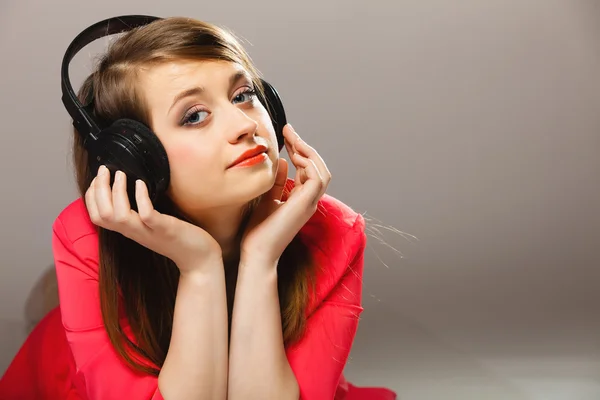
196 109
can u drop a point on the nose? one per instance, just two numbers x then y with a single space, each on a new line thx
240 126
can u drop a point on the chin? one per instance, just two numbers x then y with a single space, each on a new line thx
248 188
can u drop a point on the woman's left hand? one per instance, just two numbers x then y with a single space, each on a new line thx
274 222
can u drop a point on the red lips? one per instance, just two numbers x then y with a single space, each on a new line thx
249 154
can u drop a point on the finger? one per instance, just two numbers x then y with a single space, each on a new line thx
103 194
313 180
277 191
90 203
121 207
300 146
300 177
309 167
289 137
307 151
148 215
300 163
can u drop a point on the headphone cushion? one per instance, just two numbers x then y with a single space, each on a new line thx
274 106
130 146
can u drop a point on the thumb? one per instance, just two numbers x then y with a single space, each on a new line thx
280 179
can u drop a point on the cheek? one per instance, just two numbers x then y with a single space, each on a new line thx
268 132
181 154
189 165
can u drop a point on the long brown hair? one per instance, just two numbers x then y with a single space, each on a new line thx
134 280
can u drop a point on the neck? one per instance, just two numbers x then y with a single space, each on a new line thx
223 225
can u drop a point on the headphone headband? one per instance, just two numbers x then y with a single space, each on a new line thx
82 119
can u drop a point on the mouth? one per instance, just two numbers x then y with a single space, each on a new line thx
250 157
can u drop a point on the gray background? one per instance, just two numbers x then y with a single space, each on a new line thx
472 125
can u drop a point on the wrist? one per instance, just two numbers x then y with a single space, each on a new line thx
253 261
201 269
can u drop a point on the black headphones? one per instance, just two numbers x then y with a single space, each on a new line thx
129 145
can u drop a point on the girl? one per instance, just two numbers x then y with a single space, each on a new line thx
241 283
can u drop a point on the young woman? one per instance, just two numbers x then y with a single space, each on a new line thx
242 283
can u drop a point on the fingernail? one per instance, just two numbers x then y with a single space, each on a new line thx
102 170
118 176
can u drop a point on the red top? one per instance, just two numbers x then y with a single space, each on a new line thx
335 235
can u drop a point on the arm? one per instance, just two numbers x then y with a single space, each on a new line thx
314 365
196 364
104 374
259 368
319 358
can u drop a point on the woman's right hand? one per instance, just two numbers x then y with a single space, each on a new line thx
187 245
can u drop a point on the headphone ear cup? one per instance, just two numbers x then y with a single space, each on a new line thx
274 106
131 147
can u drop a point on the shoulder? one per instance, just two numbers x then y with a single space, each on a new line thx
333 220
335 229
336 238
73 222
74 234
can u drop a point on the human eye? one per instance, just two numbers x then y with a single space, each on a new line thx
247 95
194 116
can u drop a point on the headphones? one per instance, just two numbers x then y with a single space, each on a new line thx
128 145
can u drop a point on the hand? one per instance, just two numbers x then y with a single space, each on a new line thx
187 245
274 223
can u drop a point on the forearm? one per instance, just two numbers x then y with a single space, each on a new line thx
258 366
196 364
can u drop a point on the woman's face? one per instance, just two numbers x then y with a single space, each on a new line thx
206 115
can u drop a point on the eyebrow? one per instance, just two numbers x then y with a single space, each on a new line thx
197 90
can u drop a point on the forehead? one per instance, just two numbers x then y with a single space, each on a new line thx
165 80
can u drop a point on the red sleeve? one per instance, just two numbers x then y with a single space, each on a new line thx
319 358
99 367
